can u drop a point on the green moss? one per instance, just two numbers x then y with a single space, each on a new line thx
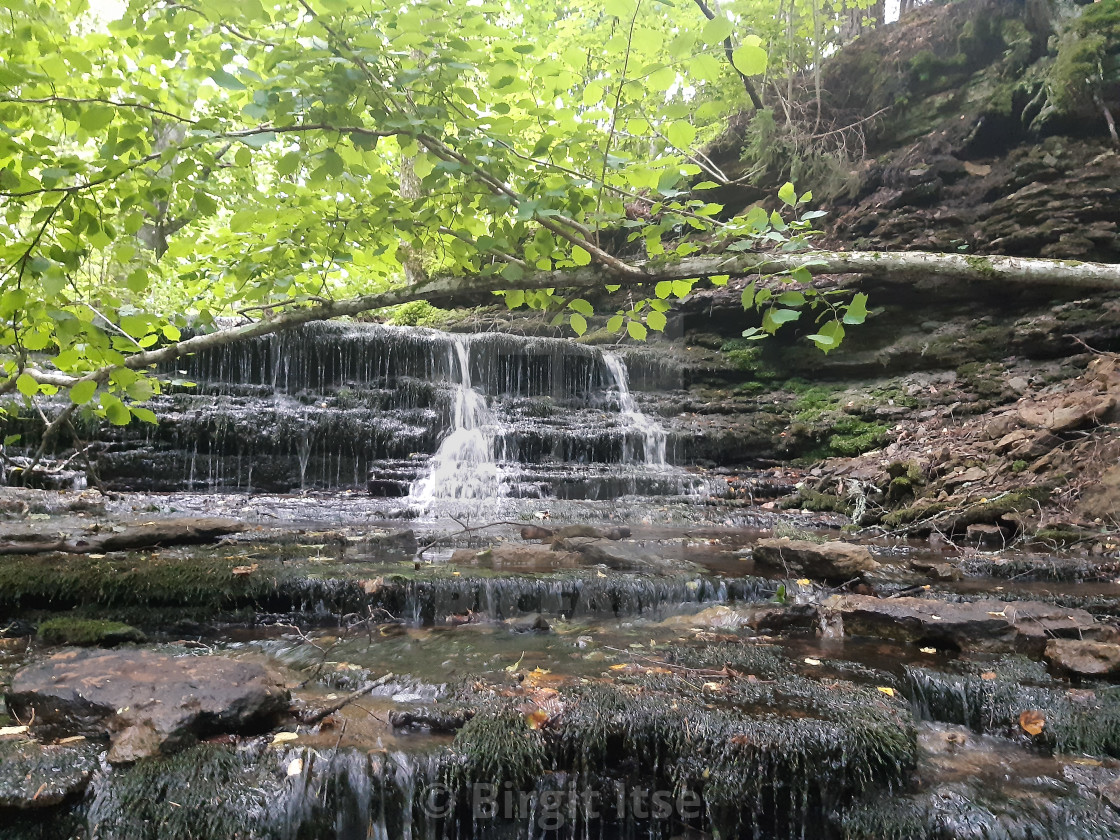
852 436
418 313
823 502
1088 57
87 632
1018 466
899 490
914 513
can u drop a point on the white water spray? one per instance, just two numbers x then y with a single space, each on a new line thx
463 467
651 434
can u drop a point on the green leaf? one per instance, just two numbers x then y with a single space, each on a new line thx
716 30
748 295
791 299
856 312
682 288
514 298
661 79
227 81
663 289
749 60
578 322
829 336
801 274
171 332
83 392
135 325
656 321
593 93
787 194
637 330
580 256
615 323
27 385
681 134
719 279
145 414
116 412
582 306
288 164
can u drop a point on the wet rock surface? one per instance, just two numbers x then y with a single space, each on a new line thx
987 623
146 702
1084 658
831 561
35 776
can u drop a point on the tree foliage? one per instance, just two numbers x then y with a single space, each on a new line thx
171 162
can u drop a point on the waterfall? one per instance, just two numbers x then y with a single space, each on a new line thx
651 433
463 467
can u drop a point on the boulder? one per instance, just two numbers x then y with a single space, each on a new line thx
1024 626
146 702
831 561
1083 658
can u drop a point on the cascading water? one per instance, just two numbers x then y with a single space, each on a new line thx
652 435
463 467
404 412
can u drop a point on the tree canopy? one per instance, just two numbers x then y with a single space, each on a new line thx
166 163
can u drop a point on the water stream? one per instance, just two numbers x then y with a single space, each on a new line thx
648 682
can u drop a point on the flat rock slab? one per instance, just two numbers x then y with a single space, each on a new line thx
146 702
1083 658
1024 626
180 531
831 561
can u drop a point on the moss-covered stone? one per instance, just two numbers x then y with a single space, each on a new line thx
35 776
989 698
87 632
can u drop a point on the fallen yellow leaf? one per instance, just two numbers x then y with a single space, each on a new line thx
887 691
1032 722
284 737
803 582
928 650
810 661
619 667
536 718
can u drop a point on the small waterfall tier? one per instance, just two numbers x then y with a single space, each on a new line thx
402 411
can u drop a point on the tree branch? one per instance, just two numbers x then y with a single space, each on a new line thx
729 51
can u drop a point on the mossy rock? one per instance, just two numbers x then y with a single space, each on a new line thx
822 502
87 632
990 698
35 776
772 755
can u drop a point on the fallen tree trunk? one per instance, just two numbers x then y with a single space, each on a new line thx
130 537
904 267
